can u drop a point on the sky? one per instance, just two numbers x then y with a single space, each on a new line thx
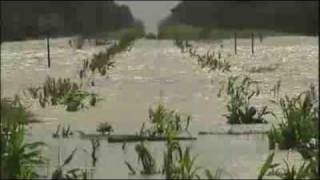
150 12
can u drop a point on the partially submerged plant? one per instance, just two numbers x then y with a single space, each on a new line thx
61 173
208 60
64 133
164 120
104 127
179 164
299 124
146 159
103 60
308 170
240 108
95 144
61 91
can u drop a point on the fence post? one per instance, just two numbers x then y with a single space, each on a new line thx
48 48
252 43
235 43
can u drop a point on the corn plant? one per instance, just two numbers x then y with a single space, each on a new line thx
164 120
103 60
18 158
239 106
179 164
298 125
208 60
62 91
308 170
146 159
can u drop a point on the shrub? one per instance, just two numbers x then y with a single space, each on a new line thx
239 106
299 124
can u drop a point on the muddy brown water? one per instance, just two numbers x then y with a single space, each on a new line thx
154 69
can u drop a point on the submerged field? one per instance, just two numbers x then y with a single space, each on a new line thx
154 69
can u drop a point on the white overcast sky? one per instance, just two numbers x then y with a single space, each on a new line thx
150 12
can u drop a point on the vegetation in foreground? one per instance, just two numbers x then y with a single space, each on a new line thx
18 158
299 122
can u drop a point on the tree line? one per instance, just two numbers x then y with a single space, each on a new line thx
285 16
24 19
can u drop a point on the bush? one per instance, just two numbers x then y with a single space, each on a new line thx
239 106
299 124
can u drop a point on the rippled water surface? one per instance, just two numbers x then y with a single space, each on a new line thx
150 70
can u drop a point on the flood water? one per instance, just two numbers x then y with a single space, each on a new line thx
154 69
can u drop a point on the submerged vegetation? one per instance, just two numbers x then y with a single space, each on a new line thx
211 61
240 109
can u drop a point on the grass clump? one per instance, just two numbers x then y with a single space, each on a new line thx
299 123
239 106
62 91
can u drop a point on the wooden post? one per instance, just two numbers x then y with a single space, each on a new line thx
252 43
48 48
235 43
